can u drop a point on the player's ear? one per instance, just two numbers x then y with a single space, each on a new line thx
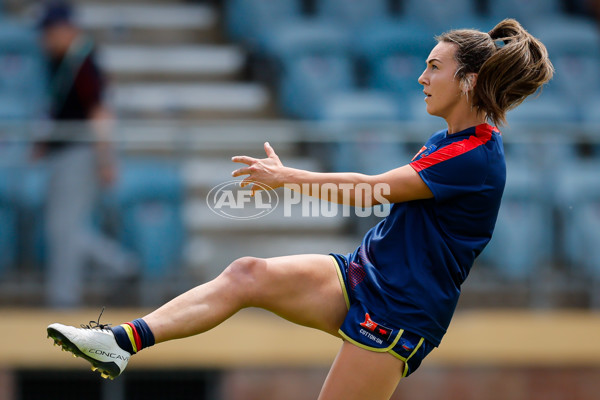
468 83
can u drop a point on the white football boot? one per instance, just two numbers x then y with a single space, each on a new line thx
95 344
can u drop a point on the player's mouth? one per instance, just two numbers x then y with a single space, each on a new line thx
427 95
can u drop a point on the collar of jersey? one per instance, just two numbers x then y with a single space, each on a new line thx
482 129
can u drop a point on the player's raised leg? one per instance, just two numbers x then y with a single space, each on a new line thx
361 374
304 289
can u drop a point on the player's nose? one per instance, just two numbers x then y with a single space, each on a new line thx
423 78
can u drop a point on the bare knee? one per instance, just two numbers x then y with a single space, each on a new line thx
245 275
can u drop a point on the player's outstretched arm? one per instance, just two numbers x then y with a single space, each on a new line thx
398 185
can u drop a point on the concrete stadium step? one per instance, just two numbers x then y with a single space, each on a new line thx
149 23
201 175
177 62
212 253
201 100
215 140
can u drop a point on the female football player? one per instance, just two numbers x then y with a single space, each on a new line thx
392 299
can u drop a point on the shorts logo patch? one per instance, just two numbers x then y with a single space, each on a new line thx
376 328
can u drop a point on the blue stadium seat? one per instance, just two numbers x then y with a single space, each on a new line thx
366 142
22 195
394 53
31 191
8 242
548 108
309 79
8 220
246 20
590 110
314 59
578 203
22 73
353 13
148 200
437 13
525 11
567 35
522 239
360 106
299 37
574 48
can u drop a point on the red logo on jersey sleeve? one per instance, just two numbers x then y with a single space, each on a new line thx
419 153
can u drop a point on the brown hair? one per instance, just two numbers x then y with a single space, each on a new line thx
511 64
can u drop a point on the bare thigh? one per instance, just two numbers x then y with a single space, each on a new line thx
304 289
358 374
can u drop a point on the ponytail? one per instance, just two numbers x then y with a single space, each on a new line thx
511 65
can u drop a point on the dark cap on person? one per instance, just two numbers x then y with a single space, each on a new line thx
55 12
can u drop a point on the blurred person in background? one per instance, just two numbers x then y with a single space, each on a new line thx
81 159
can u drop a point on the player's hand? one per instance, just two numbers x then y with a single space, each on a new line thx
266 171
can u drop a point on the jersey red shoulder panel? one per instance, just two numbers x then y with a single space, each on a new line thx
483 133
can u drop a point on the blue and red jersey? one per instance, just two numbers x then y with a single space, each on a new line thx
418 256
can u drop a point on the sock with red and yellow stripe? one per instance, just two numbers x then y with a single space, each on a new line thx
133 336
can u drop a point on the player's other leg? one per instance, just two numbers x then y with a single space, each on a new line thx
362 374
304 289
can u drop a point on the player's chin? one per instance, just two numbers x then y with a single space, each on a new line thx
430 109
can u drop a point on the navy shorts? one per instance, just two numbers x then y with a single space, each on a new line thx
365 329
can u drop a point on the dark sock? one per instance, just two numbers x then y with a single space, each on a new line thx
145 333
122 339
133 336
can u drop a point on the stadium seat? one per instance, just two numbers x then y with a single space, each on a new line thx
22 73
360 106
353 13
567 35
313 57
309 79
8 243
306 36
31 193
578 203
436 14
394 55
522 238
22 194
8 216
590 111
574 48
366 141
246 20
548 108
525 11
277 48
148 200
